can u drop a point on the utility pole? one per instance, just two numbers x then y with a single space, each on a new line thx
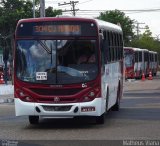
72 3
157 37
138 28
42 8
33 8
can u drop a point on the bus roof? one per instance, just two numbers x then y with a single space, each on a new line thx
131 48
108 25
40 19
135 49
151 51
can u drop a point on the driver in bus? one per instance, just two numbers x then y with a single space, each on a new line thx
86 59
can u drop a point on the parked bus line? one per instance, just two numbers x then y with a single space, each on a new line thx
140 61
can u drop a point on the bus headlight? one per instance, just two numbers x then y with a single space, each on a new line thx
86 98
91 94
21 94
24 97
89 97
28 99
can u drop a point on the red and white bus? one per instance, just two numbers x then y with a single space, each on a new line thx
67 67
133 62
140 61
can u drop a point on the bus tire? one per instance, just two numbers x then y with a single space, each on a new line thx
33 120
107 98
100 119
116 107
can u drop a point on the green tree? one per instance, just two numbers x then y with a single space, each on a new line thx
118 17
52 13
146 41
12 11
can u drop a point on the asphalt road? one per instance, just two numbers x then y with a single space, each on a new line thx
138 119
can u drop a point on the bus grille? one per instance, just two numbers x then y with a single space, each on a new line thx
56 108
56 92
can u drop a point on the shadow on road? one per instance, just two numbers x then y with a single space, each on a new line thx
78 122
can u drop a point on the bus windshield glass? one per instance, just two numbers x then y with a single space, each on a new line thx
129 59
56 61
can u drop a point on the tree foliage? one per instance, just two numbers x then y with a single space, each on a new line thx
146 41
118 17
52 13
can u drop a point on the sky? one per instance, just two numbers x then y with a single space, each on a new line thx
150 18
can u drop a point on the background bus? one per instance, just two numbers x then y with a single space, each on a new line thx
140 61
67 67
133 62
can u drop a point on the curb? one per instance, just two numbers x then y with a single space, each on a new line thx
8 100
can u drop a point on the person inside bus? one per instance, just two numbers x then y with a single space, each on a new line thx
92 59
86 59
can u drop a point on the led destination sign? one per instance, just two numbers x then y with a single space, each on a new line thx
64 29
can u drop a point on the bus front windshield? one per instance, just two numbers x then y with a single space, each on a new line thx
56 61
129 59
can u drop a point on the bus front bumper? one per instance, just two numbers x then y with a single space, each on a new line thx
69 110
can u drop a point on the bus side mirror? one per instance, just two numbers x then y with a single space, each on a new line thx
101 38
104 35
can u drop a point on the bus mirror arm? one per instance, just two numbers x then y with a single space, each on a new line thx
101 40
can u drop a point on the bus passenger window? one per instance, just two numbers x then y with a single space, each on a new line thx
121 46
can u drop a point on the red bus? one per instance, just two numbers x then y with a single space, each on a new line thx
67 67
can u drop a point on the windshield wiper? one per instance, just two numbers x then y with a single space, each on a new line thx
45 47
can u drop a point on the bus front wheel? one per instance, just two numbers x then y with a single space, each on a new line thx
33 120
100 119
